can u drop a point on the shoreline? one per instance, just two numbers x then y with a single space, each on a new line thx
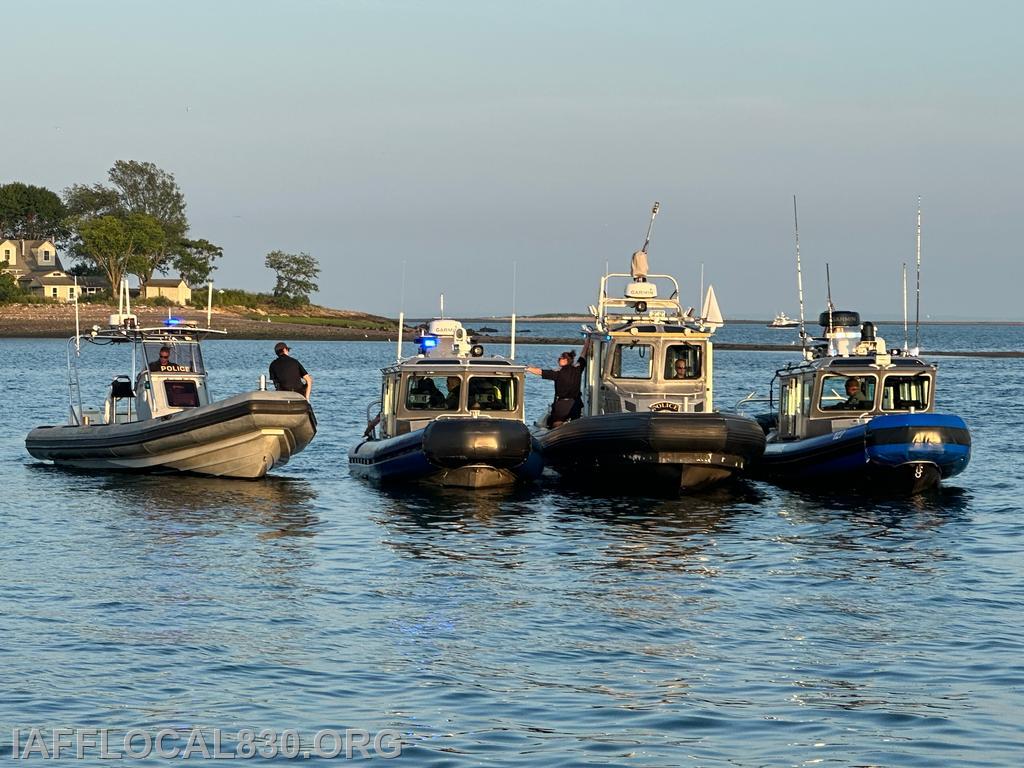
57 321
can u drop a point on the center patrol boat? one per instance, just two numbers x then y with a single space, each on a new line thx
448 416
648 420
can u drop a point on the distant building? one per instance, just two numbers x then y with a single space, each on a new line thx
176 290
37 268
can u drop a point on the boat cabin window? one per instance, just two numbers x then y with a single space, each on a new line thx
182 394
491 393
903 393
632 361
433 393
682 361
847 393
171 356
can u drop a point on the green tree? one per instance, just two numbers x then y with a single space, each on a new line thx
119 246
194 260
9 289
297 274
136 188
34 213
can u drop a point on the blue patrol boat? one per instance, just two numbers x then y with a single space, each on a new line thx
449 416
856 413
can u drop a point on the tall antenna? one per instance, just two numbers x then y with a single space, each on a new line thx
799 275
906 333
209 301
917 312
442 306
828 291
512 349
700 297
401 314
654 212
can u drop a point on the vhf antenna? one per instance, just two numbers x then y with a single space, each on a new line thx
654 212
799 276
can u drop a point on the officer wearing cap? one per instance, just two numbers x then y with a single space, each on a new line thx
288 374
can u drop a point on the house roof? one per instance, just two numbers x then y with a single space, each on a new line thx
165 282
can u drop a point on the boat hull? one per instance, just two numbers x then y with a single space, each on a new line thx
898 453
653 451
457 452
243 436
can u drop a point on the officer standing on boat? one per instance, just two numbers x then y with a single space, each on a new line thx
288 374
568 404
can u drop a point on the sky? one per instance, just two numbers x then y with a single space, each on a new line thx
417 148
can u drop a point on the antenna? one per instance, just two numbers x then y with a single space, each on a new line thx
906 339
209 302
78 327
799 276
700 297
828 289
401 314
917 312
654 212
512 349
442 306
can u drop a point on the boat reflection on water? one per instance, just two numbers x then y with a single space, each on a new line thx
191 505
936 507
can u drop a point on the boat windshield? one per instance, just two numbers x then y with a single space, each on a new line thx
904 393
847 393
173 356
433 393
682 361
632 361
491 393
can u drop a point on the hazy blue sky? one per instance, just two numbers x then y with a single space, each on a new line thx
460 137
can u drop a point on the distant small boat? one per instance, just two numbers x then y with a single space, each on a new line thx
782 320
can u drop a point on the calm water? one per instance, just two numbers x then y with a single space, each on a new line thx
750 626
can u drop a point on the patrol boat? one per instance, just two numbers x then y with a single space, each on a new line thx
856 413
162 417
642 427
448 416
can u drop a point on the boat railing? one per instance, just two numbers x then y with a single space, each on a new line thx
752 398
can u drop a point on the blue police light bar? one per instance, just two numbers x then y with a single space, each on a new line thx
427 342
173 321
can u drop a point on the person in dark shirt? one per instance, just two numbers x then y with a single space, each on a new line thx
288 374
568 403
163 361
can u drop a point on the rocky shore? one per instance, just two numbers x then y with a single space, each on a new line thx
58 321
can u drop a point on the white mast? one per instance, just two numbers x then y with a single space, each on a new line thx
209 302
401 315
906 333
917 314
799 275
512 349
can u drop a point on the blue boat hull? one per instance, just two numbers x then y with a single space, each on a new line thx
901 453
463 453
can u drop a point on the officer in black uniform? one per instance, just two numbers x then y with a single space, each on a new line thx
288 374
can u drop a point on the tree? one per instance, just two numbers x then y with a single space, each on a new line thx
117 245
137 188
296 276
30 212
194 260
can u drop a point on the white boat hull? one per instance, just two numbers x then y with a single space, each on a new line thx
243 436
